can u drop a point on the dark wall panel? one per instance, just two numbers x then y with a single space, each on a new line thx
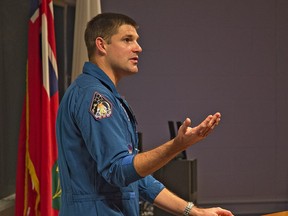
13 55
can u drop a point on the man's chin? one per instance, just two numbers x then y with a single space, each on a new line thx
133 71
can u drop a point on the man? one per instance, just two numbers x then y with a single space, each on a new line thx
100 169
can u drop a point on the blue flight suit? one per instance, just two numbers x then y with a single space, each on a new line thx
97 142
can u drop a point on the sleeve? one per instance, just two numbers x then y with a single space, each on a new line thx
149 188
107 138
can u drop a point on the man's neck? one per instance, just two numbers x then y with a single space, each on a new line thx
107 70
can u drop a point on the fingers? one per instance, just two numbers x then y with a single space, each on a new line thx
209 124
217 211
223 212
215 120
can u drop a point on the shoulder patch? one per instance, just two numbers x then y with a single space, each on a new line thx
100 107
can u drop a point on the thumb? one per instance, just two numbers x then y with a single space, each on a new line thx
185 125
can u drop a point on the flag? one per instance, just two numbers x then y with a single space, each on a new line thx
85 10
37 182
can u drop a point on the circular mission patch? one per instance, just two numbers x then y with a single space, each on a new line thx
100 107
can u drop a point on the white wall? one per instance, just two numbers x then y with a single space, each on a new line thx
203 56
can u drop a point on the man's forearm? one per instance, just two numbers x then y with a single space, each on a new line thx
148 162
169 202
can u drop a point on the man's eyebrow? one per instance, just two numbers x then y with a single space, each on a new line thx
132 36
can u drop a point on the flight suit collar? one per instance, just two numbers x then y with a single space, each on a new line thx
93 70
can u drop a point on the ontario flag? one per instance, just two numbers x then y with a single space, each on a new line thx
37 184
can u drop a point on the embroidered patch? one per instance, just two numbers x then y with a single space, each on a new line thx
100 107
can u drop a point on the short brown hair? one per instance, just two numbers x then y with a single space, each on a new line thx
104 25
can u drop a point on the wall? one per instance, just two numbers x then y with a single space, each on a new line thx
13 55
204 56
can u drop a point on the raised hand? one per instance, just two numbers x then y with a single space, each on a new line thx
188 135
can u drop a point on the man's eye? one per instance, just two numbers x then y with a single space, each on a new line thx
127 39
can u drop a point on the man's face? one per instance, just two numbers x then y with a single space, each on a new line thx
123 50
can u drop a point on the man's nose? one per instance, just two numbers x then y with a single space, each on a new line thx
138 48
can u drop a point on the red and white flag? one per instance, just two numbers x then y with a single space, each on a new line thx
37 185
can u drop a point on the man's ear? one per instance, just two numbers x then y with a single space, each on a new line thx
100 45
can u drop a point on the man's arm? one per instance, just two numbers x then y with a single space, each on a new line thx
169 202
148 162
